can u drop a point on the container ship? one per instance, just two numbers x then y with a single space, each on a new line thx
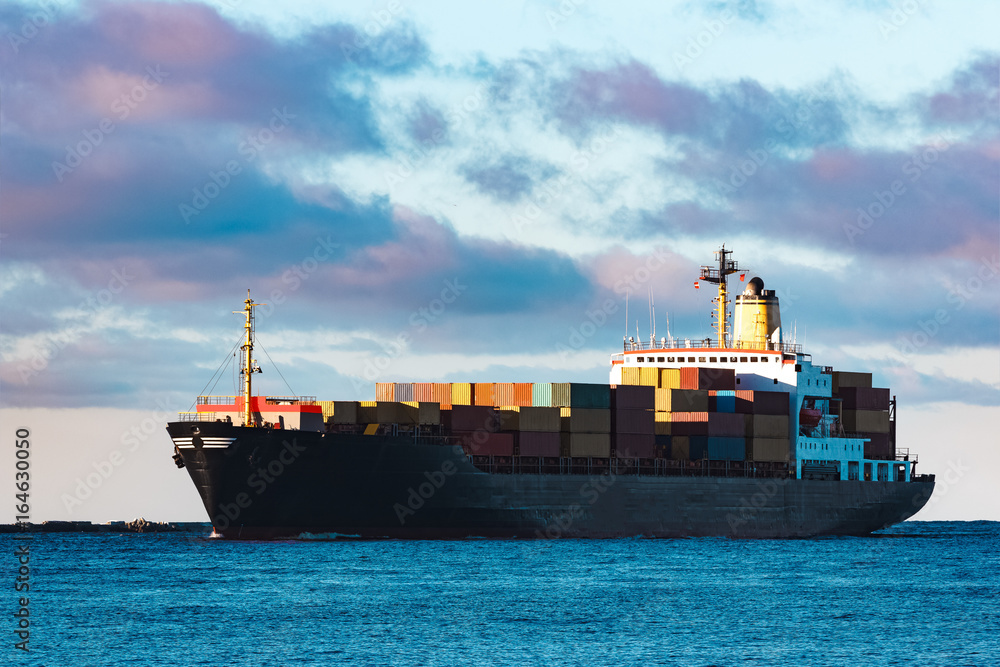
740 435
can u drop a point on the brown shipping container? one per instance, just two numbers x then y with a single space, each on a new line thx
632 421
726 424
427 412
670 378
866 421
863 398
689 423
395 412
367 414
461 393
635 445
768 449
847 379
510 419
544 420
766 426
688 400
470 418
385 391
633 397
534 443
344 412
585 444
879 447
585 420
481 443
483 394
662 427
762 402
716 378
680 448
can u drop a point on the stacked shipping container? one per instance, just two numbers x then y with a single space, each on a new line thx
865 412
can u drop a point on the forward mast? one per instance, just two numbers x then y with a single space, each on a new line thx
248 365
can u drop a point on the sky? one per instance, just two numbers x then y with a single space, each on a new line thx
447 191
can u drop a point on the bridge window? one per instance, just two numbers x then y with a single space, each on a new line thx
700 360
713 359
691 359
753 359
660 359
670 360
640 359
732 358
743 359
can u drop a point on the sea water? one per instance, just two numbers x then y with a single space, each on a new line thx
921 593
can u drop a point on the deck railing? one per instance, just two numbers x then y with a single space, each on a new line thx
709 343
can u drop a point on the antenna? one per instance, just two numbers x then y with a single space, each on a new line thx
718 276
652 307
626 313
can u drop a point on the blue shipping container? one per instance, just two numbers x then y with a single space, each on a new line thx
726 449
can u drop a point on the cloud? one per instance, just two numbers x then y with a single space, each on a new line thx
509 177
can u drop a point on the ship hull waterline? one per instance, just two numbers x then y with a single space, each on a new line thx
275 484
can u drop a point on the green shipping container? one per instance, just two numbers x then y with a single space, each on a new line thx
581 395
541 394
585 444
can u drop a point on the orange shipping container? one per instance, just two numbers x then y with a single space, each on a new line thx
523 394
385 391
503 393
441 393
423 392
483 394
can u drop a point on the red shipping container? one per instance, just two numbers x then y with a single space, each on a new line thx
423 392
533 443
864 398
522 394
751 402
633 421
385 391
481 443
633 397
635 445
726 424
470 418
689 378
483 393
708 378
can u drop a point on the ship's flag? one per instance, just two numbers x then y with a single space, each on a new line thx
696 285
742 276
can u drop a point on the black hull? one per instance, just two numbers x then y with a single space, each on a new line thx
272 484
